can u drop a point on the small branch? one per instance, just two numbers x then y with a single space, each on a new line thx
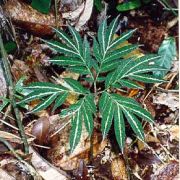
11 95
8 145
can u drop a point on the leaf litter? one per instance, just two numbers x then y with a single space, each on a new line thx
163 138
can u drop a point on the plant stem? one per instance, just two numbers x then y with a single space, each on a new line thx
11 95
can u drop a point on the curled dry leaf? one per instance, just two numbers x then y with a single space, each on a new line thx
28 18
85 15
41 129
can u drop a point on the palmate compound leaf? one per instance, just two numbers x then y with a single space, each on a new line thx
76 53
83 110
131 69
114 106
49 92
105 52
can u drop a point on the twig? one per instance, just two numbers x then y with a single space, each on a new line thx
8 145
11 95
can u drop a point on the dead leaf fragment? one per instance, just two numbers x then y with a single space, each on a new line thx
59 153
167 172
5 175
168 99
118 169
85 15
45 169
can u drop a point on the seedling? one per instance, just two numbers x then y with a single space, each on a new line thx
106 70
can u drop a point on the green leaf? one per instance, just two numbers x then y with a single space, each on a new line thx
124 36
102 36
88 119
135 124
131 105
146 78
130 84
133 69
108 66
167 51
66 61
116 54
97 50
111 31
45 86
9 46
61 48
60 100
75 86
86 52
76 130
119 127
89 101
107 117
36 95
129 5
42 6
62 35
3 102
79 69
98 4
103 102
77 39
45 103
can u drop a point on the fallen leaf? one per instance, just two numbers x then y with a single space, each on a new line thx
60 156
168 99
30 19
45 169
85 15
118 169
167 172
148 138
5 175
73 15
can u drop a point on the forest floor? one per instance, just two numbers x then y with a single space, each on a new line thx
22 29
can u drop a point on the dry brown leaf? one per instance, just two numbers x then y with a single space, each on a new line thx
167 171
148 138
5 176
45 169
168 99
85 15
73 15
19 69
59 153
30 19
118 169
